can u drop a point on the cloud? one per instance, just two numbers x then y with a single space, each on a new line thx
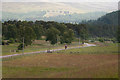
78 7
24 7
96 6
60 0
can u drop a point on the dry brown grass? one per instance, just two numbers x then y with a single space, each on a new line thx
63 60
82 65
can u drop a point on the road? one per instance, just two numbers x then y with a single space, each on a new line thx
85 45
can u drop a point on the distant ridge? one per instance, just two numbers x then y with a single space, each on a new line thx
42 15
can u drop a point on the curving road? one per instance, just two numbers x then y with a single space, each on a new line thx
85 45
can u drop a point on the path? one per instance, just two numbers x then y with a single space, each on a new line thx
86 45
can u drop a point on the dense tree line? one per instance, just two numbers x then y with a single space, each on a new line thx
17 31
14 30
95 28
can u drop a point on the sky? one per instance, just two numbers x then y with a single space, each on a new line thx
78 7
60 0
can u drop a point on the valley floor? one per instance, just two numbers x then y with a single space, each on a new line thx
90 62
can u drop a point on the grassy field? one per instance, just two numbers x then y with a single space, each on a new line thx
90 62
38 45
101 48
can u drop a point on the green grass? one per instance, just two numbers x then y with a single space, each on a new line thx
104 49
90 62
31 72
38 46
47 72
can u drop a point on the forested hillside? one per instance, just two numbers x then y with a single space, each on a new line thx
41 15
105 26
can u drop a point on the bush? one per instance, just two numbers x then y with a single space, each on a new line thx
92 41
20 47
113 40
11 40
3 43
17 50
101 39
86 41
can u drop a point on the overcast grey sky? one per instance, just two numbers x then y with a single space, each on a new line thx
60 0
79 7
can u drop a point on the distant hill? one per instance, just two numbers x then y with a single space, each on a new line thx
105 26
41 15
22 16
72 18
110 18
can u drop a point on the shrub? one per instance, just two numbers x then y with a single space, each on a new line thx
3 43
101 39
11 40
92 41
113 40
17 50
86 41
20 47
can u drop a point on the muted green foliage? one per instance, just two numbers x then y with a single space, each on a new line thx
52 35
30 31
9 31
11 40
29 36
118 35
39 31
82 32
105 26
67 37
20 47
101 39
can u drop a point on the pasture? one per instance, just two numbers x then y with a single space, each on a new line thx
100 61
38 45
